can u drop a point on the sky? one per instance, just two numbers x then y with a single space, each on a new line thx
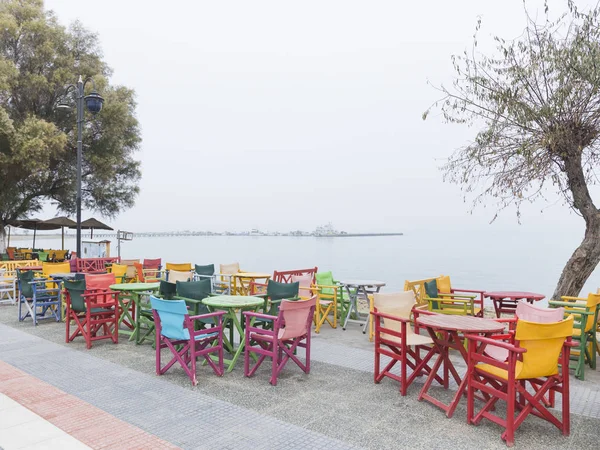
282 115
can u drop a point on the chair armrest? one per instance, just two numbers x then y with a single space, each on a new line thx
453 295
208 315
455 300
388 316
473 291
259 315
565 297
495 343
570 305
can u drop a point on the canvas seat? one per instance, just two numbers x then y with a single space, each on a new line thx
175 330
36 300
8 290
95 315
325 309
332 291
585 312
538 358
530 313
291 329
396 339
223 282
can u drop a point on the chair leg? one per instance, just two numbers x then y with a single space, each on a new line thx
275 363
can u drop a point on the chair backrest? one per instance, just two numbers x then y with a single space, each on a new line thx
130 263
94 264
418 287
279 291
532 313
171 315
174 275
592 305
295 318
207 270
179 267
399 304
196 290
325 279
229 269
119 271
25 278
544 342
285 276
305 282
167 290
76 289
50 268
152 263
101 281
443 284
139 271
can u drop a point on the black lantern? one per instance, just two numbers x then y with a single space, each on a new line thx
94 102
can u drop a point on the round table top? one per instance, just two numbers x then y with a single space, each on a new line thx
363 283
252 275
133 287
466 324
233 301
515 295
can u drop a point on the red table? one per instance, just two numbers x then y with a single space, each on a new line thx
450 326
506 301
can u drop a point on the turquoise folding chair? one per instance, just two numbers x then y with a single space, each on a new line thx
175 330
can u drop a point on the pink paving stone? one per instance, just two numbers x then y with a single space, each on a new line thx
81 420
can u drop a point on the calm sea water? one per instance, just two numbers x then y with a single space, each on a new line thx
488 260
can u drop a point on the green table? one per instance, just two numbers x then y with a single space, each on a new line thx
133 291
231 304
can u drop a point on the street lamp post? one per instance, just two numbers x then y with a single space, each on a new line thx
94 102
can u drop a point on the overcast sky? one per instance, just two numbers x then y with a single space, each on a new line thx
285 115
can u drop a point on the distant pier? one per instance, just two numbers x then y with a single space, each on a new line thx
153 234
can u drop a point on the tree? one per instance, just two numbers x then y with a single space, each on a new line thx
38 58
537 106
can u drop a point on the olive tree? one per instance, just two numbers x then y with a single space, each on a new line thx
536 106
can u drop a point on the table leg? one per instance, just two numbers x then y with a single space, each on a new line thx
135 296
353 298
443 345
242 345
367 297
125 314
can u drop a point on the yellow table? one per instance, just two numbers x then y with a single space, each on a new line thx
240 283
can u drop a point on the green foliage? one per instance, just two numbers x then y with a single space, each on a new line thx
536 103
38 58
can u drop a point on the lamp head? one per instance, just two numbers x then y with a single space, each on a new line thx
93 102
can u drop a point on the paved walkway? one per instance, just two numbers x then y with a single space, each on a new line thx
336 406
20 428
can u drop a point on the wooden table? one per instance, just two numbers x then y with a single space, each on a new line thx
133 291
444 330
232 304
241 281
506 301
355 288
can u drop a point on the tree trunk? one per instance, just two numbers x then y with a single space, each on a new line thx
582 263
2 238
586 257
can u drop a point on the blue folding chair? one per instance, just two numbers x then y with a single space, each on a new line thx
40 301
175 330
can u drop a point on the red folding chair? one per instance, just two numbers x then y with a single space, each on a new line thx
291 329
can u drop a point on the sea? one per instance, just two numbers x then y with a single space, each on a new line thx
484 259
